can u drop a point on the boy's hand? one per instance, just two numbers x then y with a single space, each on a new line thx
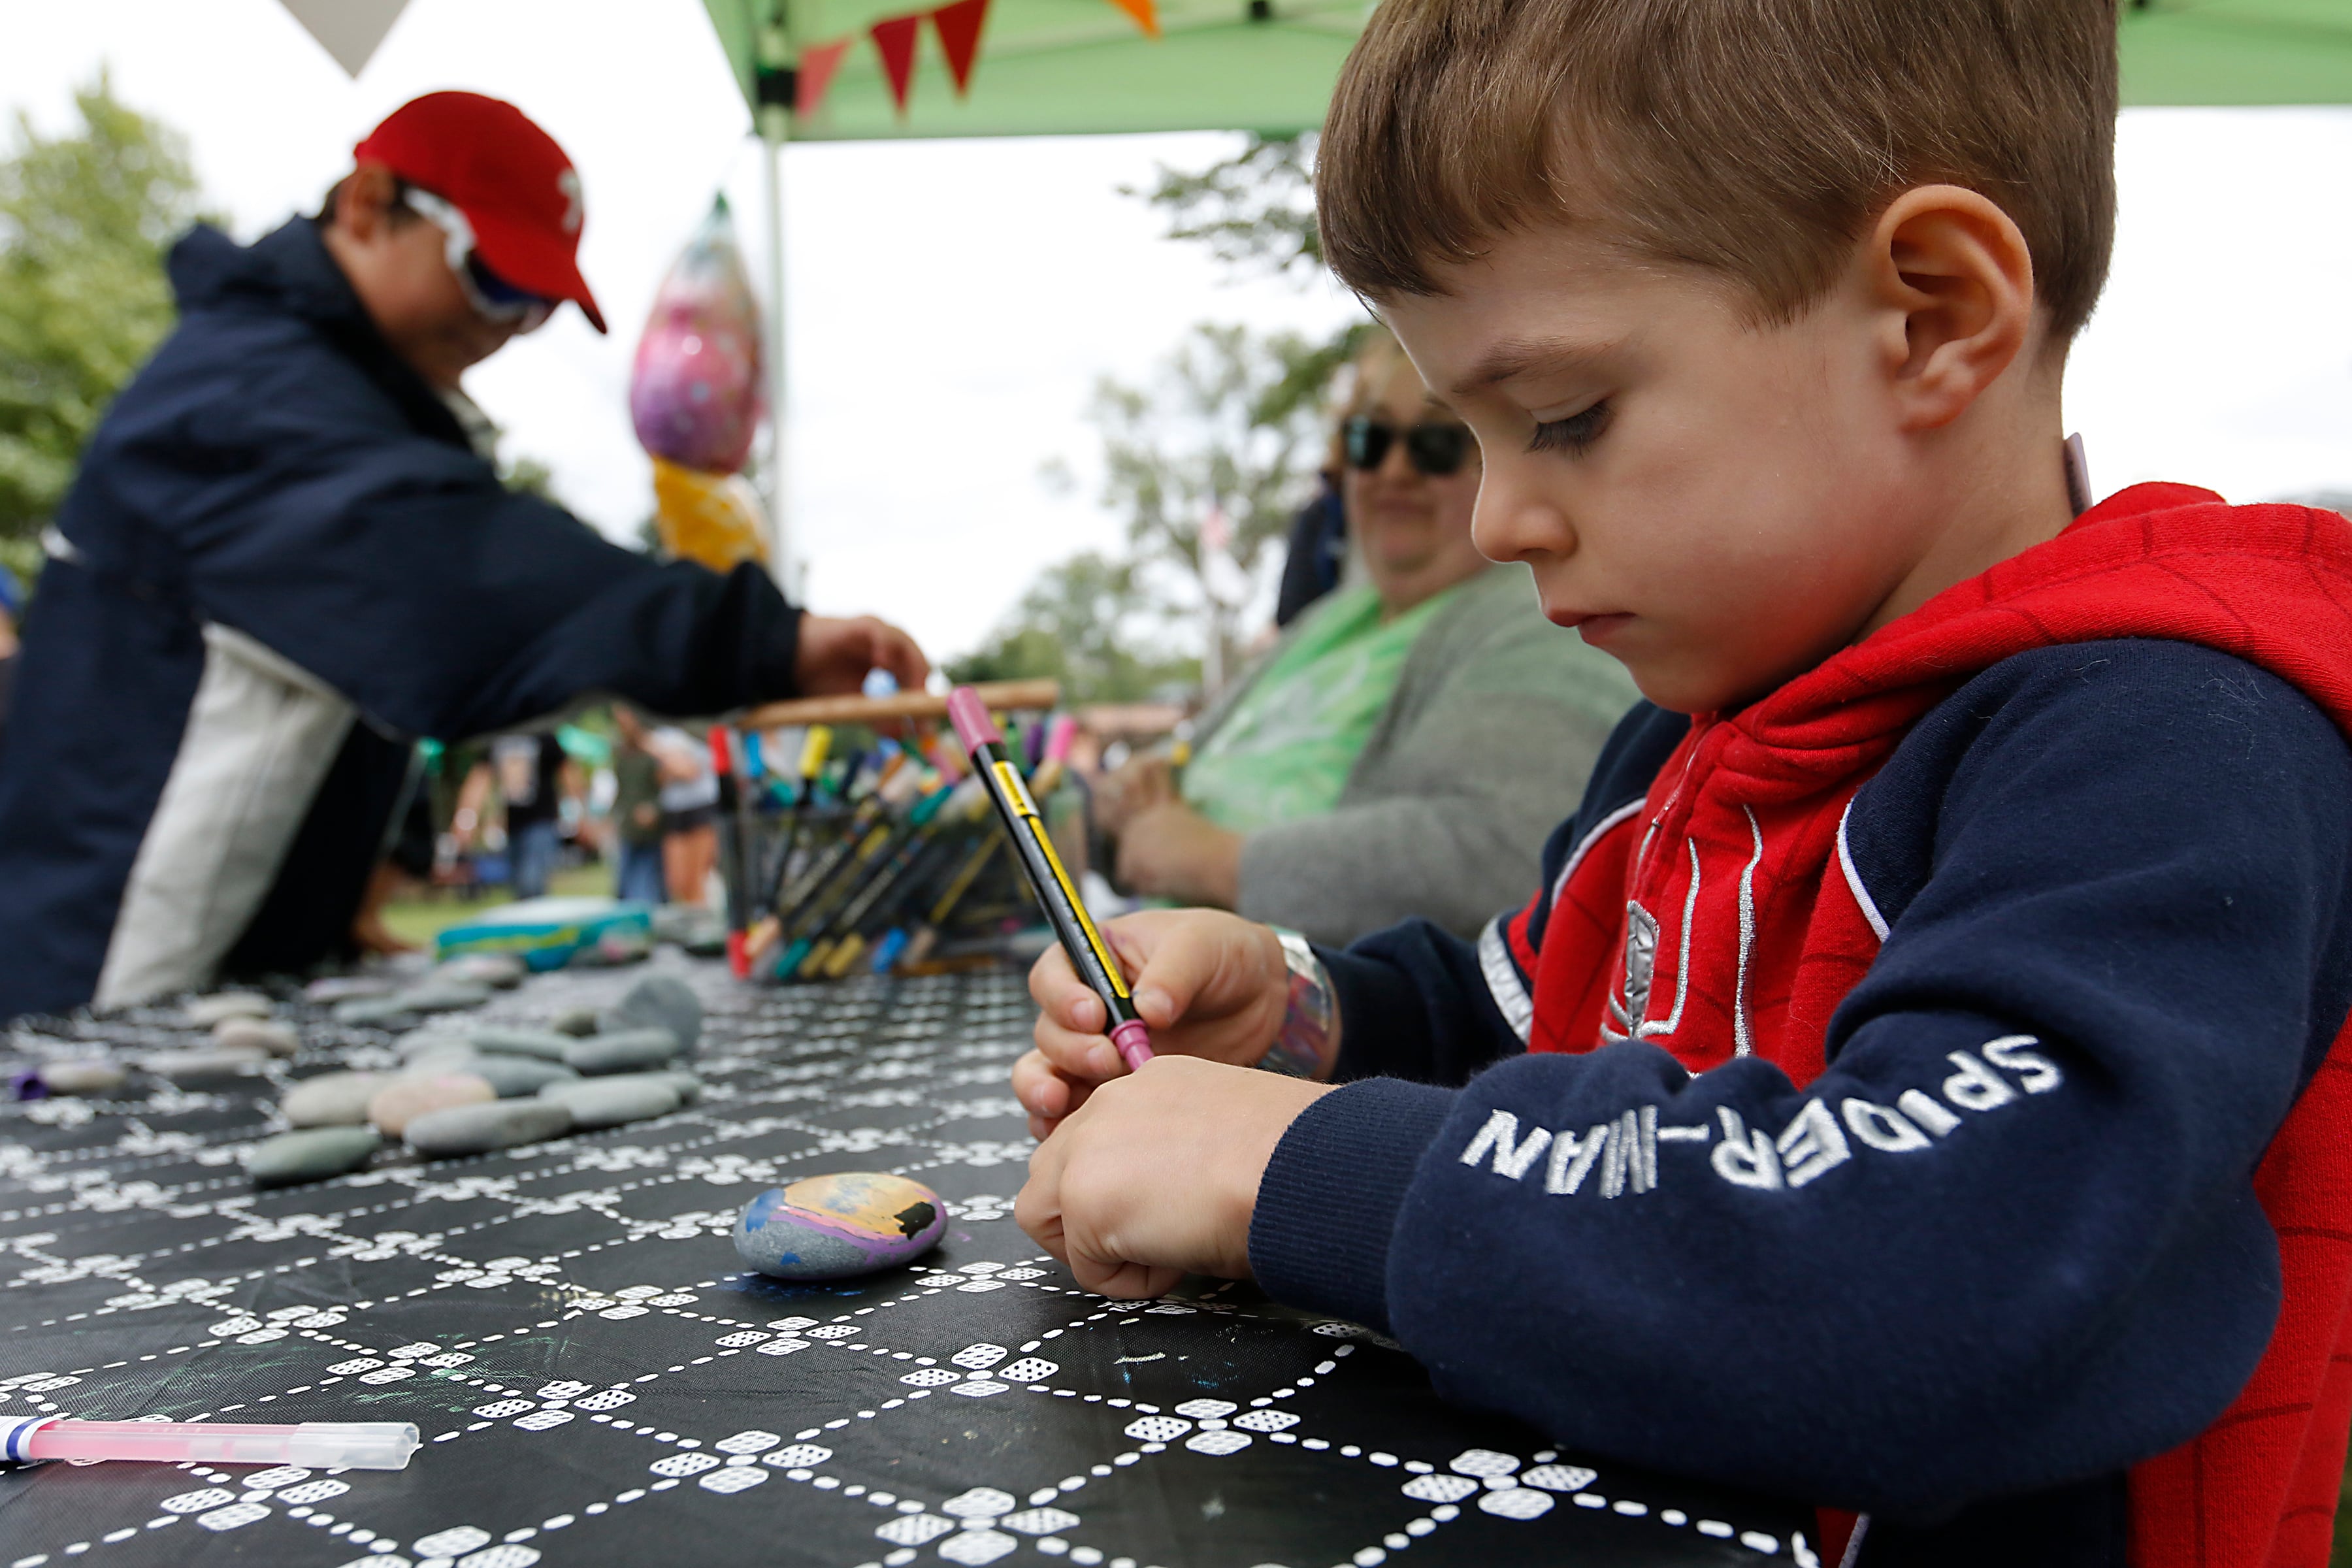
1207 984
1156 1176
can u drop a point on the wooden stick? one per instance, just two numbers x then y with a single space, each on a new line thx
1001 696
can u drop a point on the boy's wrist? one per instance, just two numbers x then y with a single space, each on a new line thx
1307 1046
1327 1201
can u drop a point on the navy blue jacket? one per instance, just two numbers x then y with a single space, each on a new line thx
281 563
2140 851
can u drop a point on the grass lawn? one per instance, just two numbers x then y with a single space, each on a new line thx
420 919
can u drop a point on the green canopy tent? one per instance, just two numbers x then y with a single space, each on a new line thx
1073 67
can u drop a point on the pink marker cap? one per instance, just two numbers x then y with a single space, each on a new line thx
1058 737
969 716
1134 1043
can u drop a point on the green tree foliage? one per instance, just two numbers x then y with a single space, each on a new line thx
1084 623
1221 440
85 218
1254 210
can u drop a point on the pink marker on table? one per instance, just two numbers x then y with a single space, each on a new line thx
319 1445
1089 954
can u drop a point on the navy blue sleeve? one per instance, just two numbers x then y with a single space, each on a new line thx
297 506
2009 1239
1417 1002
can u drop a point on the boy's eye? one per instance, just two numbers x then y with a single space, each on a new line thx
1574 434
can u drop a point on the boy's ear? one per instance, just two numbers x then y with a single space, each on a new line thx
1950 276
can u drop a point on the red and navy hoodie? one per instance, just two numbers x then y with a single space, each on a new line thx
1924 1093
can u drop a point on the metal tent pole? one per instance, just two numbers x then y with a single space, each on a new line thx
776 96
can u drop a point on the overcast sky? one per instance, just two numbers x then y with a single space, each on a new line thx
951 303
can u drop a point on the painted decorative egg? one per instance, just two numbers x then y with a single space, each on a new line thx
835 1227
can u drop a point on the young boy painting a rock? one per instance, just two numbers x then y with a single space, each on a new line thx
1918 1088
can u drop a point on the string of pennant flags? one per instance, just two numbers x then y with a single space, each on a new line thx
958 27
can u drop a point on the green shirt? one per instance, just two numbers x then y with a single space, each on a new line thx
1285 751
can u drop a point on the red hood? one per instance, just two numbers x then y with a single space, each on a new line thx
2271 584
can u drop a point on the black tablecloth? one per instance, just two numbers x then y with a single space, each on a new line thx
599 1381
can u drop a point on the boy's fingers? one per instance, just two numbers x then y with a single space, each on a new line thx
1043 1092
1082 1056
1167 982
1055 987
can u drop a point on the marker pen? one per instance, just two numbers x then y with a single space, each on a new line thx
813 751
1089 954
734 847
817 923
360 1445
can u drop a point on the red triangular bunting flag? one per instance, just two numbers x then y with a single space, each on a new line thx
818 62
895 37
1146 14
959 28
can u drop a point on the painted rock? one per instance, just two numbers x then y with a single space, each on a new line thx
331 1098
501 969
206 1011
272 1035
479 1129
832 1227
576 1022
515 1077
633 1050
93 1076
403 1100
612 1101
544 1043
658 1002
311 1155
198 1067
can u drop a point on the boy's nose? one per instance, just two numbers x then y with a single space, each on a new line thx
1515 520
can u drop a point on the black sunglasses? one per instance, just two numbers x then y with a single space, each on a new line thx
1434 449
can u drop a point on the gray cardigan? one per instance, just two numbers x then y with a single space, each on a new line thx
1483 749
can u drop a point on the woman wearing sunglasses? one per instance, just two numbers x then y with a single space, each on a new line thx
1402 750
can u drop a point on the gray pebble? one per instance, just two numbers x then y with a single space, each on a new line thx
479 1129
431 1042
514 1076
310 1156
205 1011
334 988
658 1002
543 1044
93 1076
439 995
275 1036
379 1012
197 1067
633 1050
609 1102
685 923
331 1098
575 1021
502 970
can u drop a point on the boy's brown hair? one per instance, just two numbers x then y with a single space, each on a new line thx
1754 138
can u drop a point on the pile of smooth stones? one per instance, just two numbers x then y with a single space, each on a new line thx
462 1087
